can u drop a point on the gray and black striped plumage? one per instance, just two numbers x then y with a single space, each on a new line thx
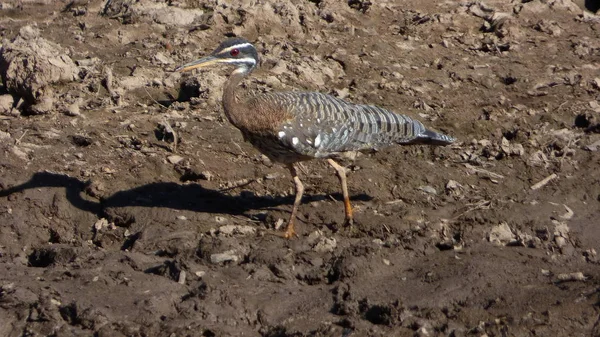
323 126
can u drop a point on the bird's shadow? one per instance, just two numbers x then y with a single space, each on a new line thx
191 197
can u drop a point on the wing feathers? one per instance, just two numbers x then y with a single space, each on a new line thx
323 125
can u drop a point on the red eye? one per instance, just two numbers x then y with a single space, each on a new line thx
234 52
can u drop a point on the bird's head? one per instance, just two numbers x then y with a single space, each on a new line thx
235 51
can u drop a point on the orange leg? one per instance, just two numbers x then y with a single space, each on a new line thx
341 173
290 232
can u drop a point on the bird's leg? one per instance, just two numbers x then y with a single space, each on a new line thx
290 232
341 173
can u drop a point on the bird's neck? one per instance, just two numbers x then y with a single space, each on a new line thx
232 103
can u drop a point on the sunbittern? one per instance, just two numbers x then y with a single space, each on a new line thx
290 127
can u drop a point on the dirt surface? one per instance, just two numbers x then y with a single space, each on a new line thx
129 206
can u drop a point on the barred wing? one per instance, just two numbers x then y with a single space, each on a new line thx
323 125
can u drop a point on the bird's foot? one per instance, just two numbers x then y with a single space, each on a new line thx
289 232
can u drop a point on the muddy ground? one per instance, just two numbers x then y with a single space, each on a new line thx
129 206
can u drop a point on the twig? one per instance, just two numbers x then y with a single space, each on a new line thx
489 174
18 141
241 150
543 182
155 101
244 218
169 129
568 215
483 204
239 183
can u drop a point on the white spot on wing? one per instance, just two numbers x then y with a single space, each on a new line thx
281 134
318 140
295 140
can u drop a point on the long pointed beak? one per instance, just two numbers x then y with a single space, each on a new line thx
203 62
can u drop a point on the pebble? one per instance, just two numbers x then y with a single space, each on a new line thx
19 153
44 106
100 224
452 185
182 277
577 276
174 159
206 175
593 147
560 241
88 62
325 245
4 135
73 110
220 219
501 235
428 189
237 229
224 257
6 104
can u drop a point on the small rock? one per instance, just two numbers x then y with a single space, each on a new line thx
485 142
206 175
342 93
224 257
452 185
73 110
560 241
501 235
593 147
220 219
100 224
163 59
174 159
561 229
428 189
181 217
19 153
4 135
386 262
132 82
44 106
156 82
237 229
200 273
577 276
325 245
6 104
517 150
182 277
88 62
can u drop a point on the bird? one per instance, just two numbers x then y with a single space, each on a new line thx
293 127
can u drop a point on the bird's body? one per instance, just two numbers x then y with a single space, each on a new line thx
315 125
289 127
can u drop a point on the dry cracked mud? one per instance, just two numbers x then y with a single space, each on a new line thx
129 206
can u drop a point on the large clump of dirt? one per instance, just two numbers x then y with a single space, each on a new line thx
30 64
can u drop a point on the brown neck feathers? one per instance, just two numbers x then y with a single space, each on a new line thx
234 109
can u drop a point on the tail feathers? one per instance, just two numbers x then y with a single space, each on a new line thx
429 137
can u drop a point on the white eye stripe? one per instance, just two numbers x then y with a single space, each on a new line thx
242 60
237 46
